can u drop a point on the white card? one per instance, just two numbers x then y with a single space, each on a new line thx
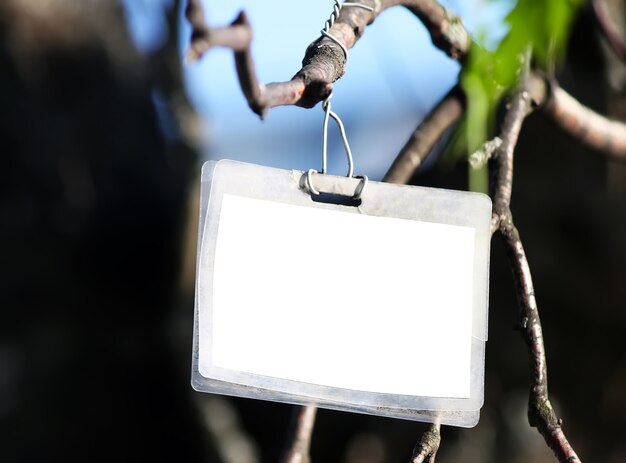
303 318
380 305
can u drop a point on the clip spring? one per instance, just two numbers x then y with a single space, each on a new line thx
333 17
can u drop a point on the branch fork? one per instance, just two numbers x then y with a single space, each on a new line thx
324 63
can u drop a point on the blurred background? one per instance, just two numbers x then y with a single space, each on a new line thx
103 130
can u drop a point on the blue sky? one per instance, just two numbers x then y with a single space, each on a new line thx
394 75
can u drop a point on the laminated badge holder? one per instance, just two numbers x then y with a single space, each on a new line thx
419 297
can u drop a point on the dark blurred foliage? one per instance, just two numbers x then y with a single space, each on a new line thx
92 202
95 339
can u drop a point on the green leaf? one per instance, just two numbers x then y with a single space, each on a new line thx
543 25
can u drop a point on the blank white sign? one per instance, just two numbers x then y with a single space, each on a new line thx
339 299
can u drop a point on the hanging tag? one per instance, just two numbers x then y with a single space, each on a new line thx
376 305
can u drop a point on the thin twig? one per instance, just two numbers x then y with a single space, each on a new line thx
609 28
540 412
480 157
447 112
518 108
594 130
237 36
299 438
446 29
425 450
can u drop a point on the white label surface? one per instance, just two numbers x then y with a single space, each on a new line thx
345 300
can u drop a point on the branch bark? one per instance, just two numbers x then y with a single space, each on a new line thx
540 412
300 432
425 450
324 60
608 28
324 63
594 130
237 36
443 116
519 107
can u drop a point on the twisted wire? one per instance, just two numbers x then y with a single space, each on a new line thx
333 17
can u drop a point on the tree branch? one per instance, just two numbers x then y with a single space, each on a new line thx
425 450
324 60
299 438
586 125
480 157
609 28
447 112
594 130
519 107
446 29
540 412
237 36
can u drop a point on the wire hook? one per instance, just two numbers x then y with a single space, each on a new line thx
328 113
